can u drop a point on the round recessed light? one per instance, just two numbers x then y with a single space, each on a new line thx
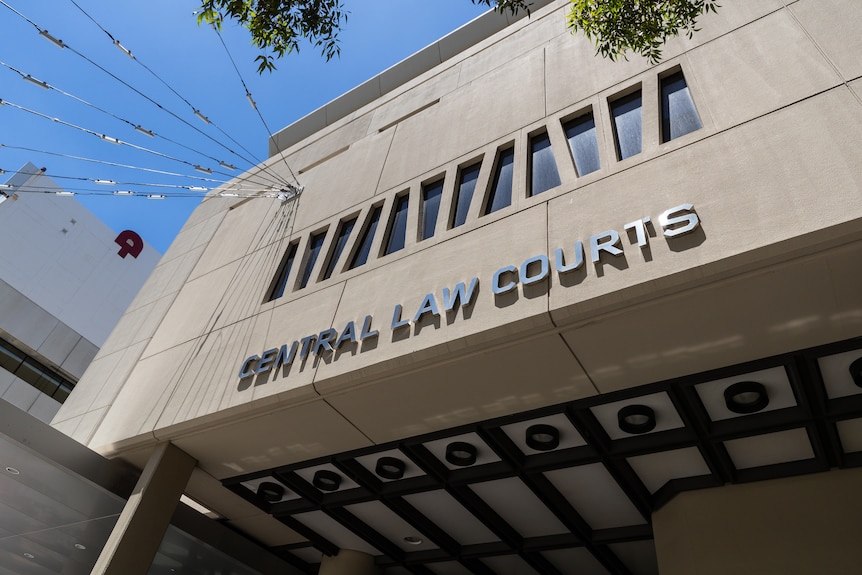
412 540
326 480
856 372
636 419
270 491
542 437
746 397
460 453
80 546
29 556
390 468
12 471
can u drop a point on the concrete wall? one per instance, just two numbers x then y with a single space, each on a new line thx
793 526
772 176
65 259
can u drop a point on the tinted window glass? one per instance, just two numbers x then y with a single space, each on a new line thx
627 125
314 245
581 133
361 255
543 167
501 188
398 227
431 195
466 187
344 231
678 114
283 273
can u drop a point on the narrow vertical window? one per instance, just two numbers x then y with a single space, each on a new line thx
367 238
344 230
678 114
543 167
581 134
626 113
464 193
397 225
431 194
314 245
501 187
277 289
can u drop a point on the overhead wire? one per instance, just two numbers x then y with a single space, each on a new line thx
59 43
137 127
107 163
236 181
194 109
252 102
117 141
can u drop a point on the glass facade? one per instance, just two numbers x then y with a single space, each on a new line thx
501 188
543 167
626 113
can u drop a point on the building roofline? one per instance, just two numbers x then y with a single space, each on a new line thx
398 74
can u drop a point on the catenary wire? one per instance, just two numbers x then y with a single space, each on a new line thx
252 102
139 128
118 141
129 53
62 44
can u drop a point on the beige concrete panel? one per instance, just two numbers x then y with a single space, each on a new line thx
523 40
168 278
141 401
798 172
210 207
246 228
732 15
281 325
766 65
196 308
846 279
68 426
793 526
80 357
87 425
137 325
261 441
325 144
834 26
208 382
407 280
573 71
59 343
105 375
490 383
343 183
771 311
484 110
415 99
302 128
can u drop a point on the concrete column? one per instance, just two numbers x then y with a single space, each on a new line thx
138 533
348 562
794 526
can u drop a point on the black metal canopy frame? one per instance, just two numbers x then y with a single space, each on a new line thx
575 484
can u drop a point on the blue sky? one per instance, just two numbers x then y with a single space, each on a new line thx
164 35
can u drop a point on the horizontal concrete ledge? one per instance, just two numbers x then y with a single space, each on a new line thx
397 75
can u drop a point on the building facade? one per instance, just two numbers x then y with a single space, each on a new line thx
65 280
532 312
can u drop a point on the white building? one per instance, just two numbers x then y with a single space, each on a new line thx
64 283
